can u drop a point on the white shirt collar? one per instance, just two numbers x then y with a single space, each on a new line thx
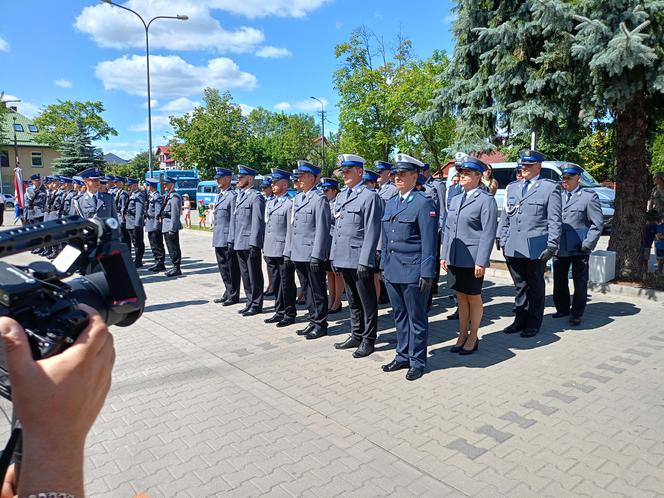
470 192
405 196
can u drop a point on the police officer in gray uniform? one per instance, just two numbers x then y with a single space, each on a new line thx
135 219
171 225
357 216
582 225
307 245
246 238
387 189
277 218
79 190
153 225
122 204
529 234
224 205
95 203
408 260
35 199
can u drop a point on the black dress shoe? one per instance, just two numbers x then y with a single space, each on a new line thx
244 310
301 302
268 294
470 351
230 302
575 320
513 329
456 349
365 349
138 264
560 314
349 343
332 311
219 300
286 322
315 334
395 365
414 373
453 316
305 330
156 268
529 332
274 319
173 272
252 312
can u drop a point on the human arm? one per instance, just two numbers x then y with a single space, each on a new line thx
488 218
322 229
372 214
257 221
596 219
428 228
554 219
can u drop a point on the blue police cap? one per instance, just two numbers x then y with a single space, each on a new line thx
519 164
425 167
296 174
66 179
307 167
382 166
266 182
472 163
280 174
132 181
152 181
370 176
92 173
222 172
246 170
120 179
571 169
36 176
329 183
421 179
407 163
350 161
169 179
103 181
531 156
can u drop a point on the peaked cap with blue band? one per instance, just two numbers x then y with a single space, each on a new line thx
307 167
132 181
425 167
474 164
246 170
169 179
383 166
370 175
280 174
66 179
222 172
407 163
329 183
345 161
266 182
152 181
571 169
91 173
531 156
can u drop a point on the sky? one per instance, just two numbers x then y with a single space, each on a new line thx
270 53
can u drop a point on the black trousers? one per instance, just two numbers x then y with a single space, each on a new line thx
125 235
252 277
138 243
316 294
172 240
283 284
157 245
561 294
361 294
229 271
528 276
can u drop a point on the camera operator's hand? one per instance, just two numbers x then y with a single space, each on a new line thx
57 400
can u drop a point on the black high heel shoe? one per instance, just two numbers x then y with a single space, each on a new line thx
470 351
456 349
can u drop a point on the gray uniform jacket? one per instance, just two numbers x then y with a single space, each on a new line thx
387 191
100 205
67 206
357 228
224 205
122 204
440 190
57 203
470 230
152 222
74 208
531 223
583 223
171 215
135 210
277 217
248 221
309 228
35 201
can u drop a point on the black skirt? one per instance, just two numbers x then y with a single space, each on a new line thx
463 280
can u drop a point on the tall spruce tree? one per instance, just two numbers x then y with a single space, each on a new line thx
77 153
560 67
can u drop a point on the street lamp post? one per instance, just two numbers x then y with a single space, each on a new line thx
2 186
322 121
147 64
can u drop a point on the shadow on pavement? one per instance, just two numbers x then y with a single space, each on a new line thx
170 306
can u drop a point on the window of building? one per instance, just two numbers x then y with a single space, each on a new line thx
32 128
4 159
37 160
18 126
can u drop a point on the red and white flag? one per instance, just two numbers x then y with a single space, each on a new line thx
19 187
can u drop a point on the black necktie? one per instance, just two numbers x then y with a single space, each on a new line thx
463 198
524 191
569 197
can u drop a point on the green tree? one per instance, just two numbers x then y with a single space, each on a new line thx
59 122
212 135
77 153
135 168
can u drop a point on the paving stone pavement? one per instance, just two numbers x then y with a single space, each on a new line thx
207 403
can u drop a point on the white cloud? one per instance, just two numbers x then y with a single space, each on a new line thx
159 123
307 105
264 8
4 46
112 27
172 76
153 102
273 52
246 109
450 18
338 24
62 83
179 105
28 109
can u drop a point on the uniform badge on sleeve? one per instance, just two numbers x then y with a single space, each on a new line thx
432 214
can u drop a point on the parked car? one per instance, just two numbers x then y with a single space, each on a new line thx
505 173
9 200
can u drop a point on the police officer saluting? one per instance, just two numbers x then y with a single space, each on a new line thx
134 217
529 234
153 225
408 260
171 226
277 218
357 216
246 238
582 225
224 205
307 245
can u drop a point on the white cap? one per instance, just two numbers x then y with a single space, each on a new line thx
403 158
351 160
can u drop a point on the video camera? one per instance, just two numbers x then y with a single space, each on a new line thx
45 305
